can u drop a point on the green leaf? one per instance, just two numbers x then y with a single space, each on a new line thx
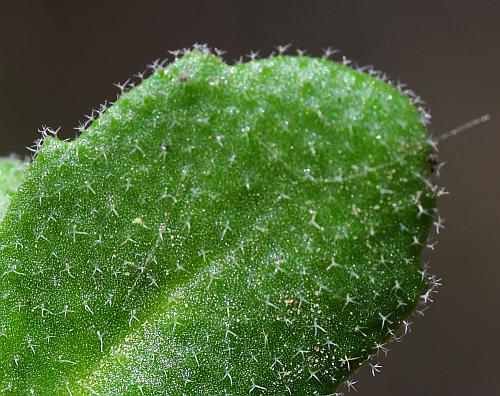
219 230
11 175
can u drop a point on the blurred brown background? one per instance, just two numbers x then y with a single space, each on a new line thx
58 60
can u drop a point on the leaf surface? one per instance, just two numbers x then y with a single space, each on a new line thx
11 175
250 229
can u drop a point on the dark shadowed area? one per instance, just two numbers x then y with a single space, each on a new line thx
58 60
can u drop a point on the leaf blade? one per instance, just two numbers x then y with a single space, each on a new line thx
290 159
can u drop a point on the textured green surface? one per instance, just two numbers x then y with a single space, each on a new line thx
11 174
220 230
